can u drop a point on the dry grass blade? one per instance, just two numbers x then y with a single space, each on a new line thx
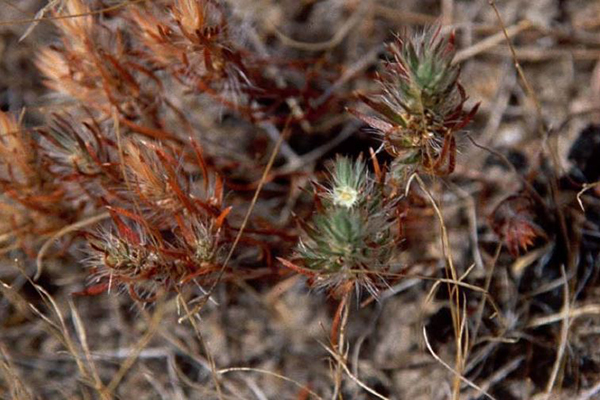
457 320
58 17
586 187
341 362
501 374
64 231
491 41
444 232
80 329
157 318
562 345
16 388
209 356
39 16
266 372
449 368
238 237
461 284
335 40
61 331
574 312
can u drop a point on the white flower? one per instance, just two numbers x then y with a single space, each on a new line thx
345 196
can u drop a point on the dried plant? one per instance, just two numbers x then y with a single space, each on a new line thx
191 41
31 194
146 260
132 148
187 133
513 220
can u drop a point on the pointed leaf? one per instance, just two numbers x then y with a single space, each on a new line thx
384 110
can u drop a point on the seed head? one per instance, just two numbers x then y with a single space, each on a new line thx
350 240
422 104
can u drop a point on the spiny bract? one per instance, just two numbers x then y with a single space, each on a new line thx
422 104
350 240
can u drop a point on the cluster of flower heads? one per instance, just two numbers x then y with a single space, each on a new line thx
132 148
136 256
350 241
173 231
167 220
423 104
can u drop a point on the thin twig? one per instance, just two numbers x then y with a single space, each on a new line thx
318 152
337 38
490 42
564 335
488 281
338 338
352 70
502 373
38 16
529 90
59 17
